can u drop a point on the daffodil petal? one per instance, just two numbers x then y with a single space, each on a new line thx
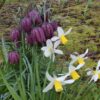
83 55
62 78
48 87
79 66
47 53
68 31
44 48
68 82
73 56
58 51
98 65
95 77
71 68
49 43
49 77
89 73
54 38
60 31
56 44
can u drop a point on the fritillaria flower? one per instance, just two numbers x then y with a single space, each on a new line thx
50 49
48 30
26 24
13 57
15 35
94 73
54 25
79 58
61 35
56 82
35 17
37 36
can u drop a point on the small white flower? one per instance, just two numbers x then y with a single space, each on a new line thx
61 35
56 82
50 49
79 58
94 73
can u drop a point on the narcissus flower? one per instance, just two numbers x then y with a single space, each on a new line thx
79 58
94 73
13 57
61 35
50 49
57 82
73 71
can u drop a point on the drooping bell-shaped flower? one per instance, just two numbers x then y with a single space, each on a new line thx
13 57
26 24
54 25
37 36
15 35
48 30
35 17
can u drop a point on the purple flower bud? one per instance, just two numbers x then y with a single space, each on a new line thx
15 35
13 57
35 17
37 36
48 30
54 25
26 24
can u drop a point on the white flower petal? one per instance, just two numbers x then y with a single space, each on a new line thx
53 57
54 38
71 68
95 77
56 44
83 55
60 31
49 43
73 56
58 51
49 77
79 66
47 53
48 87
62 78
44 48
68 82
98 65
68 31
89 73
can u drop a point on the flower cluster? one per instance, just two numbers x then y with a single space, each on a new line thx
49 51
33 29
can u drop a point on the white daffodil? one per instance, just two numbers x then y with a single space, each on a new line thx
61 35
56 82
79 58
94 73
50 49
73 71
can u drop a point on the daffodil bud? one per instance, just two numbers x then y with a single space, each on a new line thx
13 57
15 35
26 24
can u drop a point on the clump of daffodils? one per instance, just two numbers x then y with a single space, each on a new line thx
95 74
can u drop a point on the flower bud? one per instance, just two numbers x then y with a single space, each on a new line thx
48 30
35 17
26 24
13 57
54 25
15 35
